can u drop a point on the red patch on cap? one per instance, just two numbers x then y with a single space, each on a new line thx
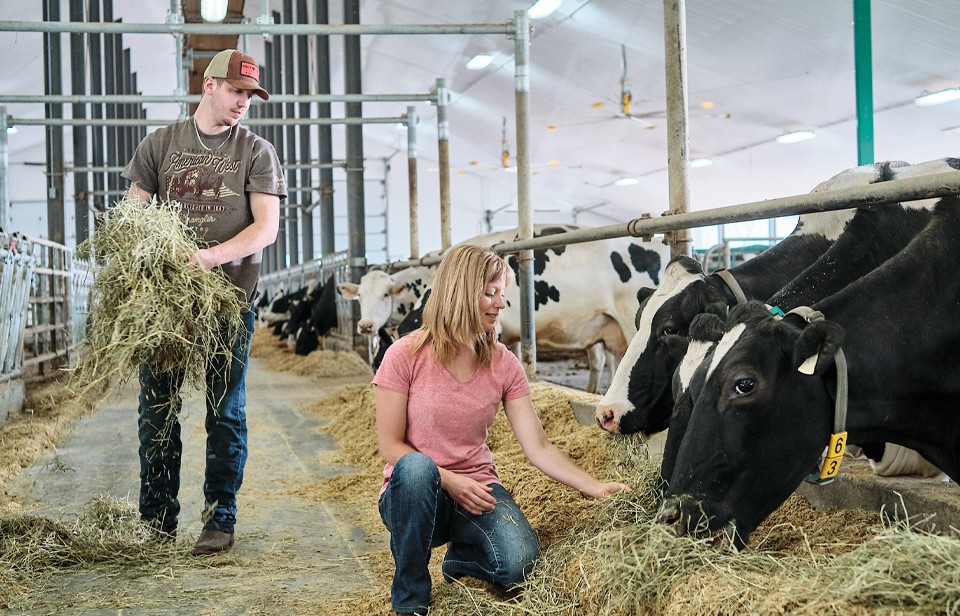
250 70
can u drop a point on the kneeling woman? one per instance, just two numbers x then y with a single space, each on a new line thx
438 391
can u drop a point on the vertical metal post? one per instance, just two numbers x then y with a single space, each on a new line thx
325 133
4 172
110 68
863 62
355 195
266 110
56 231
96 109
528 334
675 60
78 85
289 87
303 87
283 254
176 17
412 181
443 152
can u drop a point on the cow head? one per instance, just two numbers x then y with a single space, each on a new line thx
757 425
639 397
383 297
706 330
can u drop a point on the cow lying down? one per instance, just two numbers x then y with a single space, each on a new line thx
762 403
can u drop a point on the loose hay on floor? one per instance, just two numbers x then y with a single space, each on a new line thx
611 558
107 537
320 364
150 303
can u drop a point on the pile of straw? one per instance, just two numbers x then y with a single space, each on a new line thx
107 536
611 558
150 302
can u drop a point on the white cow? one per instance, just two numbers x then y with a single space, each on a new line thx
584 295
385 299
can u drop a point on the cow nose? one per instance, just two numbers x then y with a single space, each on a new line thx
669 512
365 327
606 419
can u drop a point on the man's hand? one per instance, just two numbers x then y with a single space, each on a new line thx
203 259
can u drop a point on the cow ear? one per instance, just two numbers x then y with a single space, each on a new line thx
815 349
397 288
643 293
716 308
349 290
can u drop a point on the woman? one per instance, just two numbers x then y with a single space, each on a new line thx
438 391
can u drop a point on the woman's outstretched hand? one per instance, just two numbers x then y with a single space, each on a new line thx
603 490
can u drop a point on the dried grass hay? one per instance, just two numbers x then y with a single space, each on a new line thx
150 303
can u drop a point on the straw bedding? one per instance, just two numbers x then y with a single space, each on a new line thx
598 557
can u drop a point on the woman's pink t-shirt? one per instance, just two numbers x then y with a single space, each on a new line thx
446 419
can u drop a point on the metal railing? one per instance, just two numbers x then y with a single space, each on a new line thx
344 337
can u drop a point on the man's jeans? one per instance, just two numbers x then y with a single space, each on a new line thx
498 546
226 424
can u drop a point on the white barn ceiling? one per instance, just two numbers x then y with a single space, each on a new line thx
756 69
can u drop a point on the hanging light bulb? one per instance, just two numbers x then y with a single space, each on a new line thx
213 10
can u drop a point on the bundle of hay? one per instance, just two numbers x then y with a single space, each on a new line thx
151 304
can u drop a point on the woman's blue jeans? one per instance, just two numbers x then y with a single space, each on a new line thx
498 546
226 424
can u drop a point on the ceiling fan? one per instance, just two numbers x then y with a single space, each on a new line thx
506 161
626 98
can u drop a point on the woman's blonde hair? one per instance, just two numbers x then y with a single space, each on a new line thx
451 317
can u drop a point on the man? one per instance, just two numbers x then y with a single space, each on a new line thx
230 183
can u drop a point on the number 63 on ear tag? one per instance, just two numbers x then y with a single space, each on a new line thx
831 463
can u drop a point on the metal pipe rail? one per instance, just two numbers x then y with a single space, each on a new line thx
146 99
11 121
259 28
907 189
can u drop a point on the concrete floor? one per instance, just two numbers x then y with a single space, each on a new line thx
321 550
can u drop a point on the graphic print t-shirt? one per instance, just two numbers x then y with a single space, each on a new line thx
211 186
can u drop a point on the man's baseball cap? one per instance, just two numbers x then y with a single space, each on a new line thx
238 69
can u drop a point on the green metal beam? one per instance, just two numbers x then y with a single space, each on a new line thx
863 61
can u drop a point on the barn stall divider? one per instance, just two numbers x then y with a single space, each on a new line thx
44 293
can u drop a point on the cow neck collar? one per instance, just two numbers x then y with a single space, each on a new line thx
732 286
830 465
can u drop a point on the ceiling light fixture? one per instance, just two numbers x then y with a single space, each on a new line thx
542 8
796 136
938 98
701 162
626 182
11 130
479 61
213 10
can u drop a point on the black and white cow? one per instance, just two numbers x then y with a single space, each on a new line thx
276 313
803 267
758 425
314 318
584 295
385 299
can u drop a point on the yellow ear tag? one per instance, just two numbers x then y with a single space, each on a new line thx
809 364
831 463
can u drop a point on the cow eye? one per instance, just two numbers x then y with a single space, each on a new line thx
744 387
670 330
